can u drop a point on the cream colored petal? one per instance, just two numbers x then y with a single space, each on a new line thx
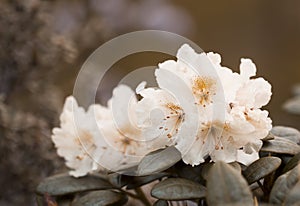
247 68
246 159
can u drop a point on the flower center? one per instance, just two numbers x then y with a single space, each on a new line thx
203 88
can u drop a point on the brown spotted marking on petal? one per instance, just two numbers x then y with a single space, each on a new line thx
230 139
84 138
203 88
125 142
85 141
174 108
79 157
226 126
129 130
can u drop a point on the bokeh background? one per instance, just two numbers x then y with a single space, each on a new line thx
43 44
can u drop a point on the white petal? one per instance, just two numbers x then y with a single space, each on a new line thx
175 85
75 138
246 159
226 154
247 68
255 93
123 102
214 57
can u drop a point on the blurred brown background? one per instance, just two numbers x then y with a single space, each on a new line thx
44 43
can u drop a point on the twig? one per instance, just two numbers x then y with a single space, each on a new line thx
130 194
142 196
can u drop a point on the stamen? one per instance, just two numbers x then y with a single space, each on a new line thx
202 88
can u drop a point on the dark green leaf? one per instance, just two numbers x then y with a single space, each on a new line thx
118 180
225 185
207 166
261 168
268 137
285 158
188 172
205 169
158 161
236 166
161 203
101 198
293 105
129 171
281 145
140 181
292 163
283 185
293 197
63 184
286 132
178 189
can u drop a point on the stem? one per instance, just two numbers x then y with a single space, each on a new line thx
131 195
255 201
142 196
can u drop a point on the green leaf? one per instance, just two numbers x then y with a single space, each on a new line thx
283 185
293 105
226 186
118 180
189 172
158 161
63 184
140 181
101 198
161 203
261 168
292 163
293 197
205 169
280 145
268 137
287 133
285 158
207 166
236 166
178 189
128 171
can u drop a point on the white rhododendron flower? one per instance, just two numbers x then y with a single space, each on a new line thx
245 122
75 141
134 128
202 108
109 139
236 135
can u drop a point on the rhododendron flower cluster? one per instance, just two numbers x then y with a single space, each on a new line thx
209 111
